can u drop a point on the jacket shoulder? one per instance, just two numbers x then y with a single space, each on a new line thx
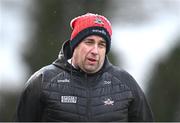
125 78
43 74
121 74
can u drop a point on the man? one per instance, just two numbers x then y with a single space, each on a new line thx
82 85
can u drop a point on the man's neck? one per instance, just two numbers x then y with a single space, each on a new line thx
70 62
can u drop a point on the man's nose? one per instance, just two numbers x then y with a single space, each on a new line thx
95 49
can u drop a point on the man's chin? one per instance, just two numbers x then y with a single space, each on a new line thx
91 70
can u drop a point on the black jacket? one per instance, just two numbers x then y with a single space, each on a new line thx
58 92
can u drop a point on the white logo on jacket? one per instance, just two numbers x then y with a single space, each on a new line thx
107 82
63 80
108 102
68 99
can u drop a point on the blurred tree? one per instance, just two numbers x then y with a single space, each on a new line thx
8 101
164 88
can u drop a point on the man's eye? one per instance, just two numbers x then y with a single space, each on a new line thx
102 45
89 42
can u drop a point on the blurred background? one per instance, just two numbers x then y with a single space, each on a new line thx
145 42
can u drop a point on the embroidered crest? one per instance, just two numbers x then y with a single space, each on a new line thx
98 21
108 102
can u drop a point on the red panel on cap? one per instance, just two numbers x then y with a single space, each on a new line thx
89 20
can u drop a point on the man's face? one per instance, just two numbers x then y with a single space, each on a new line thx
89 55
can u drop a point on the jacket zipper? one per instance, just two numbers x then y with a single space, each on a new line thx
88 99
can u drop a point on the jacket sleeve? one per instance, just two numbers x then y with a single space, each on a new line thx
139 109
29 106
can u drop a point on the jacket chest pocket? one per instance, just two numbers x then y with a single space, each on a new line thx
63 103
62 108
114 102
111 104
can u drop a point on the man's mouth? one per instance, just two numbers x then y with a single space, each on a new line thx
92 60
